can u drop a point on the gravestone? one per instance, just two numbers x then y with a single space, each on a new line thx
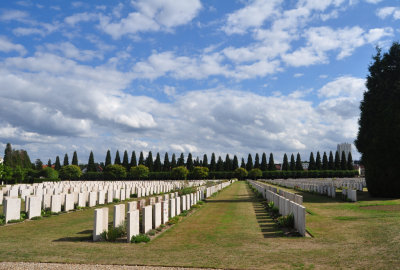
69 202
156 215
132 206
177 205
12 208
147 218
55 203
165 211
119 215
100 222
172 207
132 227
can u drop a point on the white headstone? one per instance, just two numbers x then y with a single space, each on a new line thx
132 227
172 207
156 215
100 222
12 208
147 218
55 203
119 215
165 211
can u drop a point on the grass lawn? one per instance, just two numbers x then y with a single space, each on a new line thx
230 231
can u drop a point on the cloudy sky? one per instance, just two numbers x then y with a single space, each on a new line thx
195 76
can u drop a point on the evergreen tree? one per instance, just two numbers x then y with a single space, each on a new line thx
117 160
343 162
74 159
299 165
66 162
166 165
108 159
249 164
350 162
141 159
337 161
257 161
220 164
325 165
173 161
235 163
379 125
285 163
57 165
91 166
49 163
189 162
125 161
263 165
157 163
205 161
227 163
181 160
213 163
243 164
292 165
318 164
133 160
311 165
38 164
149 163
331 163
196 162
8 155
271 163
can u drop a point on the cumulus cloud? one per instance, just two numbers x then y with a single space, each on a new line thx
80 17
385 12
7 46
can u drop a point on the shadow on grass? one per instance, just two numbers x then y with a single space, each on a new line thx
230 201
86 238
267 225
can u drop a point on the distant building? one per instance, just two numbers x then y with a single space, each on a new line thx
305 165
344 147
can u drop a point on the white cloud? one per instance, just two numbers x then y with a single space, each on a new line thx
11 15
389 11
373 1
152 15
7 46
80 17
343 86
70 51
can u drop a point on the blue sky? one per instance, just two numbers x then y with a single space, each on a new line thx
195 76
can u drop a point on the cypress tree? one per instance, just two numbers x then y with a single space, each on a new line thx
325 162
196 162
26 161
343 162
271 163
189 162
8 155
157 163
91 166
125 161
166 165
318 164
311 165
299 165
331 163
337 161
133 160
292 165
57 165
227 163
66 162
108 159
173 161
350 162
141 158
213 163
263 165
205 161
38 164
117 160
249 164
235 163
257 161
285 163
181 160
220 164
74 159
49 163
242 164
149 161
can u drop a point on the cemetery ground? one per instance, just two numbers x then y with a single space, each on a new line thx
231 230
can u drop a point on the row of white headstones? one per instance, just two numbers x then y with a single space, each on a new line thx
68 195
290 204
349 186
153 215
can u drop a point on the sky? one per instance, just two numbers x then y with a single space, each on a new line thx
201 76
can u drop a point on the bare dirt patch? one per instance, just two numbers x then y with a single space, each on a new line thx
395 207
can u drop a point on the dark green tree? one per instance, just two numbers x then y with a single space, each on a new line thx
249 164
141 158
108 159
133 160
189 162
57 165
350 162
325 165
91 166
235 163
299 165
66 162
117 160
149 163
337 161
213 163
331 162
292 165
173 162
220 164
8 155
271 163
181 160
205 161
256 161
318 163
125 161
243 165
166 165
263 165
343 161
285 163
74 159
311 165
38 164
157 163
227 163
49 163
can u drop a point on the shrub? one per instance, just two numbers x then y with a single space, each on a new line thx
240 173
184 213
70 172
152 232
179 173
271 204
275 211
173 220
114 233
186 190
116 200
114 172
255 173
50 173
133 195
139 172
286 221
140 238
199 173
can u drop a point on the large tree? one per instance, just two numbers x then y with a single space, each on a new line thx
74 159
311 165
235 163
331 161
263 165
133 160
257 161
205 161
117 160
325 162
350 162
292 165
57 165
166 165
228 163
149 161
157 163
299 165
249 164
379 124
91 166
181 160
66 162
318 163
108 159
125 161
213 163
337 161
271 163
189 162
285 163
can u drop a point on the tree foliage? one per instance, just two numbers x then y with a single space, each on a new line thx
139 172
70 172
255 173
115 172
91 166
180 173
200 172
240 173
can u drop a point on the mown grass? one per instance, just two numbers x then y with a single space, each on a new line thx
231 230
